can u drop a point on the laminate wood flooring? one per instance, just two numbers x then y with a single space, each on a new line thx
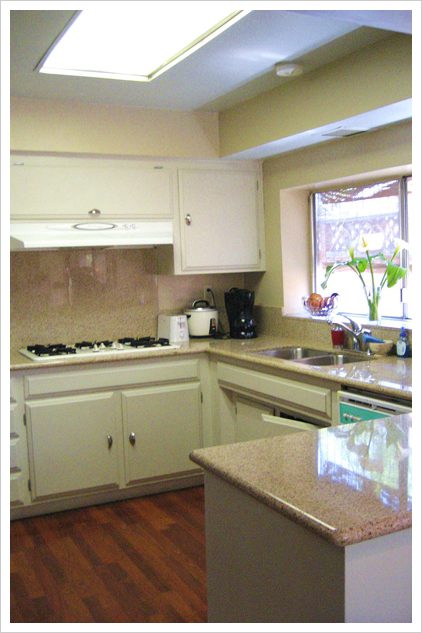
139 560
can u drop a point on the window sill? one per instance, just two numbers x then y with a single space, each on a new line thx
390 324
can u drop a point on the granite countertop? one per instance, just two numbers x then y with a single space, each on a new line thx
349 483
387 375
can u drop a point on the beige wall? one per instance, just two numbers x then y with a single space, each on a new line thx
39 125
375 76
387 150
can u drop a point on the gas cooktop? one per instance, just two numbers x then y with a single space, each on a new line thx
86 349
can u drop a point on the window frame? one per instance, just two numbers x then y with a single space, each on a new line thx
403 223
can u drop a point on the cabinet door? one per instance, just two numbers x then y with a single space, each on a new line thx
18 459
73 444
162 425
284 426
249 420
60 188
219 220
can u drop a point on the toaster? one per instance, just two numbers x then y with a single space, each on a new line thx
173 327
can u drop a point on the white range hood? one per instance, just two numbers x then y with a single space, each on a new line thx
53 235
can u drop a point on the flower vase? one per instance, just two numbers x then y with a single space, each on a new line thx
373 305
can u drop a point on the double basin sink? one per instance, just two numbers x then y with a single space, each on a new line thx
309 356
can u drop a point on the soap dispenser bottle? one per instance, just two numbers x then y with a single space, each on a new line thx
402 345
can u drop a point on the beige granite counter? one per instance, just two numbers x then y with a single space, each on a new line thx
19 362
387 375
349 483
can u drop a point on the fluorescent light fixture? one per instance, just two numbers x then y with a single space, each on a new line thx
137 43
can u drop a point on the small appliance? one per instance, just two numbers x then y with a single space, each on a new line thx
202 319
173 327
239 305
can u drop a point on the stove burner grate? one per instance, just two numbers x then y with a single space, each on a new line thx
93 348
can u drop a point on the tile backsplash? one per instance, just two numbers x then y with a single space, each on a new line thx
70 295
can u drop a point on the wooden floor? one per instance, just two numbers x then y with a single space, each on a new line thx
141 560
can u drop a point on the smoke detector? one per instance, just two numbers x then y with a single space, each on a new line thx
288 70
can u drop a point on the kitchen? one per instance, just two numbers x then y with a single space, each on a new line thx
54 294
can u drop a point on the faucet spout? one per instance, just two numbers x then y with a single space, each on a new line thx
355 330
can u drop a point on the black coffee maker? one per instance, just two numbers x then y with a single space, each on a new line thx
239 305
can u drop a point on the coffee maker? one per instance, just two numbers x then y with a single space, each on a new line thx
239 305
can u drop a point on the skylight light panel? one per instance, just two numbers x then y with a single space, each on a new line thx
137 43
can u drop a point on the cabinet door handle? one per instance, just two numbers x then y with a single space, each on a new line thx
132 439
188 219
110 440
94 212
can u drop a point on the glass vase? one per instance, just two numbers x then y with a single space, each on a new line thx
373 305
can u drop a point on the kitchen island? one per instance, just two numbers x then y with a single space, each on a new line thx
312 527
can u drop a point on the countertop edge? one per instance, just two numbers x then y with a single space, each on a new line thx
340 538
244 354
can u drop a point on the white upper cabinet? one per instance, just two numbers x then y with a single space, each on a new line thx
60 187
220 220
216 206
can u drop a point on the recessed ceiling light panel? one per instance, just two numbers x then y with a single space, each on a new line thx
139 43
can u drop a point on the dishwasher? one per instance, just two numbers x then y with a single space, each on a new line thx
354 406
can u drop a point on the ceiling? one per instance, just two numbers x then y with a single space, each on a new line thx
235 66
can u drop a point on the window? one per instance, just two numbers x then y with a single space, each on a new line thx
340 217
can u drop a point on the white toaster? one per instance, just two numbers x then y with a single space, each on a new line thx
173 327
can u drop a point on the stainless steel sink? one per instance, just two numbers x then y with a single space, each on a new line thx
334 359
292 353
310 356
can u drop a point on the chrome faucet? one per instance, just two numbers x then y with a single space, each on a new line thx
355 330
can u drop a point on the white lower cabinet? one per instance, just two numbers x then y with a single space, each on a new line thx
19 493
249 424
73 443
162 425
255 421
255 404
103 433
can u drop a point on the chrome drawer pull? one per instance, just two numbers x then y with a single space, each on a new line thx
132 439
351 418
110 441
188 219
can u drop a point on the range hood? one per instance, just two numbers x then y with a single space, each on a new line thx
53 235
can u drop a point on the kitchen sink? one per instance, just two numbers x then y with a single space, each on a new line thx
292 353
337 358
310 356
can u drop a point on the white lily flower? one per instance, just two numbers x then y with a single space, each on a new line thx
400 245
370 242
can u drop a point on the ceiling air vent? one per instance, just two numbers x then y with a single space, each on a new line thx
341 132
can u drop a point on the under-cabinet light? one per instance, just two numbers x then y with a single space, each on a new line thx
139 43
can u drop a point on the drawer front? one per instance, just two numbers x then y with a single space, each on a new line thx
278 390
110 377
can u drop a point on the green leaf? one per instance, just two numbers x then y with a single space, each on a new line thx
361 264
329 270
394 274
